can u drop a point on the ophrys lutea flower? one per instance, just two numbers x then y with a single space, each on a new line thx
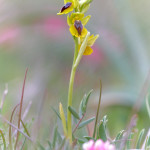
77 21
69 5
90 43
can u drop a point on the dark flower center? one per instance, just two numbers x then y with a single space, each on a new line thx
67 5
78 25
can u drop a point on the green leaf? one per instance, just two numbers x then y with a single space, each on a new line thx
56 113
98 109
50 145
129 140
83 104
63 119
73 112
41 147
118 138
81 141
101 134
54 137
3 138
89 138
138 145
147 142
62 144
84 123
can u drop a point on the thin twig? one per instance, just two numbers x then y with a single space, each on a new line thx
24 115
98 108
21 103
78 123
11 118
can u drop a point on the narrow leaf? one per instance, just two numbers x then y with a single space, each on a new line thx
101 133
81 141
148 142
84 123
138 145
3 138
50 145
20 111
56 113
26 130
73 112
129 140
83 104
62 144
118 138
62 116
41 147
54 137
98 109
89 138
11 119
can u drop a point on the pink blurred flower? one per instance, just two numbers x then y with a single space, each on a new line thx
9 35
53 26
98 145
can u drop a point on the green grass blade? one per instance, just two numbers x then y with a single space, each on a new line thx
3 138
25 128
20 111
138 145
56 112
129 140
118 138
54 137
98 109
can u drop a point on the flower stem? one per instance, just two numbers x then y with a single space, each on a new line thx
76 60
70 91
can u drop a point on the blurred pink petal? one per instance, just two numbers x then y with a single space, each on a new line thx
89 145
98 145
53 26
9 35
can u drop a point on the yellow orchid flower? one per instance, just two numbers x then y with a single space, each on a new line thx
91 41
77 21
68 7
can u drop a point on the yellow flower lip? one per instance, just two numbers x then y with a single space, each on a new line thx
78 25
66 6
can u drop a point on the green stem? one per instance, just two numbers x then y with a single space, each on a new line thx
76 60
70 91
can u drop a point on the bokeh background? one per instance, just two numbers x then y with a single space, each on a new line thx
32 36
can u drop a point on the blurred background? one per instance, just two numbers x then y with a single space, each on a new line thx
32 36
